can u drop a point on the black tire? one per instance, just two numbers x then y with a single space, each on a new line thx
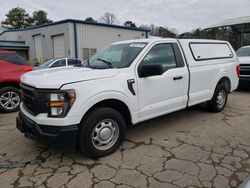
4 93
90 124
213 105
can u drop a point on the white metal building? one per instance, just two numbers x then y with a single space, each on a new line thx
66 38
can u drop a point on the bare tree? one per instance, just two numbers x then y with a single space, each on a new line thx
160 31
108 18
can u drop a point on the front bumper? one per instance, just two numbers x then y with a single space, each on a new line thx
57 136
244 81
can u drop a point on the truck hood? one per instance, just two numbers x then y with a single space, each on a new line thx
244 60
54 78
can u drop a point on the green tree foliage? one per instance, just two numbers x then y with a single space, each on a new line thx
40 17
90 19
129 24
16 18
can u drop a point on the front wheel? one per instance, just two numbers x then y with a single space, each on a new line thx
9 99
102 132
219 100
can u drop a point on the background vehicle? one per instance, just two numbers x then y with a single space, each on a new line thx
245 183
62 62
244 60
12 66
123 84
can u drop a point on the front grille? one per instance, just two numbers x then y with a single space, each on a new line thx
28 98
245 69
33 100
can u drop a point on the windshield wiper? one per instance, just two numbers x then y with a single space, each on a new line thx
110 65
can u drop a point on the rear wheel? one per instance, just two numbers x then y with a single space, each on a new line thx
102 132
219 100
9 99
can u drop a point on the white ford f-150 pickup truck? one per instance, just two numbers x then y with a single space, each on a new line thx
125 83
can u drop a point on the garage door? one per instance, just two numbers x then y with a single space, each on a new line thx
58 46
38 47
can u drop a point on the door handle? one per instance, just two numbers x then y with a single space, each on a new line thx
177 77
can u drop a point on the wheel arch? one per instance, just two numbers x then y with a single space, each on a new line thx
9 84
116 100
225 80
115 104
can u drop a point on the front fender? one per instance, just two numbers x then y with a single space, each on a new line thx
90 102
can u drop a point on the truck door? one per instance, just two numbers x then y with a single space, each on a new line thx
164 93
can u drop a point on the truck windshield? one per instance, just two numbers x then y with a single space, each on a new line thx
116 56
245 51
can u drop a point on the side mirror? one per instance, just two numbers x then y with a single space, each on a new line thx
150 70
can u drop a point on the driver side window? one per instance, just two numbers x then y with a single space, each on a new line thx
162 54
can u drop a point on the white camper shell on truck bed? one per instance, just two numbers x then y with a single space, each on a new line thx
125 83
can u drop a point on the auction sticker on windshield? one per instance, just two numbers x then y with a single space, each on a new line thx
137 45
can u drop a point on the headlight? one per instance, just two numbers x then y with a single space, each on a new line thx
60 102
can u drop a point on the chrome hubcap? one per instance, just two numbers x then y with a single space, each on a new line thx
105 134
9 100
221 98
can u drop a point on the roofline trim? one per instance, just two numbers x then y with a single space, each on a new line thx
13 41
10 46
75 21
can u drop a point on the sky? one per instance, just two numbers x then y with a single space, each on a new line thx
183 15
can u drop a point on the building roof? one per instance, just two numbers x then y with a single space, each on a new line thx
76 21
236 23
231 22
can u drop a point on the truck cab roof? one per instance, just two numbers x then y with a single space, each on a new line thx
153 40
